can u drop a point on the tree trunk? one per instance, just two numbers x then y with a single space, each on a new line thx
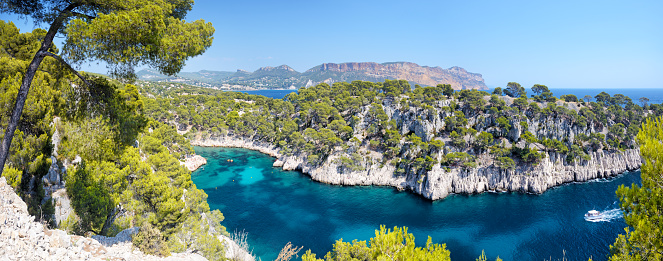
116 212
18 107
27 81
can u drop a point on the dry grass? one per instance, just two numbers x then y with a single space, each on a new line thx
241 246
288 251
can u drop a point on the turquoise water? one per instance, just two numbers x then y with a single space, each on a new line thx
276 207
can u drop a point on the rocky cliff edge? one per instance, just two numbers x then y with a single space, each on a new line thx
439 183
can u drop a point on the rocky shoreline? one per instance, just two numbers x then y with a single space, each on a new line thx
439 183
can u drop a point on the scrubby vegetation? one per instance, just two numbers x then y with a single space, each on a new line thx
122 151
643 205
413 129
388 244
396 244
30 152
129 171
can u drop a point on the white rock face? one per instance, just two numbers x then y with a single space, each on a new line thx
53 175
55 139
21 238
54 188
549 173
194 162
62 205
438 183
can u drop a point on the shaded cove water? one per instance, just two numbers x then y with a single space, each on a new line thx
276 207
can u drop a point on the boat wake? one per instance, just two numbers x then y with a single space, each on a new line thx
606 216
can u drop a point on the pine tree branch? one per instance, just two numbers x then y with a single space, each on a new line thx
69 67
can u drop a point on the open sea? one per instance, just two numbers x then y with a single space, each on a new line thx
276 207
275 94
654 95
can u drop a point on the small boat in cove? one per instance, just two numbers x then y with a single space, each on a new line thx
593 215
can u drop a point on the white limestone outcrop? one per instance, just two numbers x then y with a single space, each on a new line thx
194 162
439 183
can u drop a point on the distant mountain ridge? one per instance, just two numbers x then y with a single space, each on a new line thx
285 77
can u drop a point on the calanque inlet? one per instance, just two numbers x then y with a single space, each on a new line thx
175 153
432 141
411 141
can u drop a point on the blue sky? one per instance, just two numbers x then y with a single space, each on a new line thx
563 44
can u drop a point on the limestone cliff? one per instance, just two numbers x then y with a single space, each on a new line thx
285 77
458 77
438 183
373 169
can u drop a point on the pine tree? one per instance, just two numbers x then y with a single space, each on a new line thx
643 206
121 33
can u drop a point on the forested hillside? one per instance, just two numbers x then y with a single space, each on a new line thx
121 168
361 127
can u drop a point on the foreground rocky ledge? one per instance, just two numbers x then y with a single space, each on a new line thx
439 183
23 239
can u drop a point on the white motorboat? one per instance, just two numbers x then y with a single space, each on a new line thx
593 215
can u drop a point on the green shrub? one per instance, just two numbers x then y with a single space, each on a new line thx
386 245
12 176
150 241
505 163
